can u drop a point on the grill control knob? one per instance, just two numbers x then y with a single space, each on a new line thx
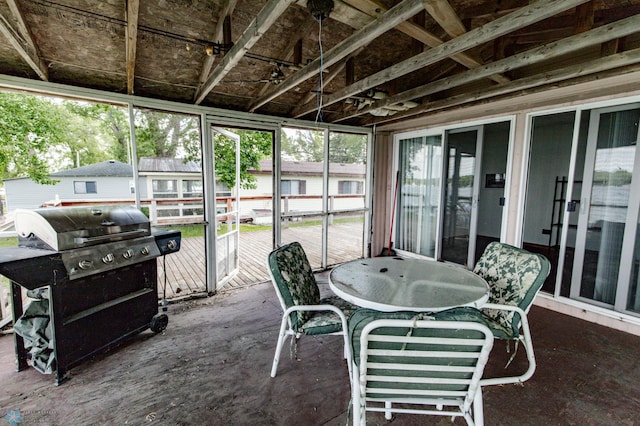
108 258
128 254
85 264
172 244
145 250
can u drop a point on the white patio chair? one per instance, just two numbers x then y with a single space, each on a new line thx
515 277
304 311
417 366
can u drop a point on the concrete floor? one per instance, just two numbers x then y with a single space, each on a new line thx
211 367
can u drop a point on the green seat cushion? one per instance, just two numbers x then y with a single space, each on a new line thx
325 322
470 314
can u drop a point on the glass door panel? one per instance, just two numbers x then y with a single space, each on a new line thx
491 185
301 190
609 165
420 171
548 182
227 206
460 197
346 197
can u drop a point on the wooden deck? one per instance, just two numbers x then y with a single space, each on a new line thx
185 270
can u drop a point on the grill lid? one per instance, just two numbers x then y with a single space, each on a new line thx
65 228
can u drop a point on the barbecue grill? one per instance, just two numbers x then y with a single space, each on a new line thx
96 268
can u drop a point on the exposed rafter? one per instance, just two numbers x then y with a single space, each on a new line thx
522 17
227 10
133 8
263 21
374 8
628 61
21 40
445 16
598 35
360 38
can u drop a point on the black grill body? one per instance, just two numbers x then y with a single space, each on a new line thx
94 307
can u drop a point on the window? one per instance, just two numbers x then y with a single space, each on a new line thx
350 187
192 188
293 187
85 187
165 188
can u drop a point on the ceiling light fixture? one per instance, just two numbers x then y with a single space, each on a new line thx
320 9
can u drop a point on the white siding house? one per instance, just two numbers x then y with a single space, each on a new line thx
108 180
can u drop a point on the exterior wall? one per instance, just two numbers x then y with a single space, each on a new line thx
618 89
25 193
259 207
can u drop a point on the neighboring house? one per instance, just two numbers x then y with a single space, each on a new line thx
174 187
305 178
171 178
108 180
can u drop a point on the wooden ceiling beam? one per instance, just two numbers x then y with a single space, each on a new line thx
520 18
360 38
573 74
133 9
256 29
584 17
218 34
22 41
445 16
374 8
576 42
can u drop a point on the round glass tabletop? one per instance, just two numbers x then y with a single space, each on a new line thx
397 284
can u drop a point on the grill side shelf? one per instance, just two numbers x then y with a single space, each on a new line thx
28 267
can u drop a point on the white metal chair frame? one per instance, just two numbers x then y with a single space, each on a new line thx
286 326
465 403
525 338
286 330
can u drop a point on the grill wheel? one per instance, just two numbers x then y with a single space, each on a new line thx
159 323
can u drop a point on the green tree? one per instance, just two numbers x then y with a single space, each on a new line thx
113 123
254 146
160 134
302 145
29 127
308 145
347 148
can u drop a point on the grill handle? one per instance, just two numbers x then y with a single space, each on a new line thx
110 237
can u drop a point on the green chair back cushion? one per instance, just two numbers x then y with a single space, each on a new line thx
514 276
294 277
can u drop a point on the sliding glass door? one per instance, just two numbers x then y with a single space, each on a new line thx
445 210
604 271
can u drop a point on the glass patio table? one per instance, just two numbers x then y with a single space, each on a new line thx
395 284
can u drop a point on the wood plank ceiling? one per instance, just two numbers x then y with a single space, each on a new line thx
369 61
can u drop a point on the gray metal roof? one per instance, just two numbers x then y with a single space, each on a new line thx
313 168
105 168
168 165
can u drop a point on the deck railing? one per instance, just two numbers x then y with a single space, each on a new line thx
256 208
